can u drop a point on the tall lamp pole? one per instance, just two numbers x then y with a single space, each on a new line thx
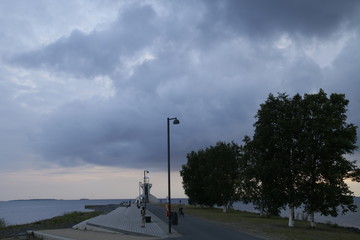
145 186
175 121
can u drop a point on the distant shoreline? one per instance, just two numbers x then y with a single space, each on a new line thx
45 199
53 199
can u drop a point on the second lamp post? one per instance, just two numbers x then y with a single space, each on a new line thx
175 121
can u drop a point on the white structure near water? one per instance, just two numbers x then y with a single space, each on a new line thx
145 194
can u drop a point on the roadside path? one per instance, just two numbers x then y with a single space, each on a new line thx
193 228
124 224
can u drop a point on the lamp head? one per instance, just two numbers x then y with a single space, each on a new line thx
176 121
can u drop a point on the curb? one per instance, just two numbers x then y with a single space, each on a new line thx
46 236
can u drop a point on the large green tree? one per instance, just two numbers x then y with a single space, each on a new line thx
209 175
326 139
297 154
275 153
256 183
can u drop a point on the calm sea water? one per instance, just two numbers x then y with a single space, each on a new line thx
27 211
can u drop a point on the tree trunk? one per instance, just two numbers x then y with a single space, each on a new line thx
261 211
225 208
312 220
292 217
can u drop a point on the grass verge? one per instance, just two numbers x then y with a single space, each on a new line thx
65 221
273 227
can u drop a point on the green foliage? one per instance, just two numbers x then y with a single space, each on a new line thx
296 157
328 137
297 154
275 151
209 175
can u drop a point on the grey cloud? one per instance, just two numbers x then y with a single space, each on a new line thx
207 24
16 127
97 52
343 76
263 18
203 26
209 69
102 133
302 75
132 131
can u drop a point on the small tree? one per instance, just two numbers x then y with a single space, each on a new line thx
209 175
193 175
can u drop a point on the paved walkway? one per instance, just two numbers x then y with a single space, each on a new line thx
193 228
72 234
122 223
125 224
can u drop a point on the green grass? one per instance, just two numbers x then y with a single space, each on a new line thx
65 221
272 227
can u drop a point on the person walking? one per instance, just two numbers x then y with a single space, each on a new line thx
143 213
181 206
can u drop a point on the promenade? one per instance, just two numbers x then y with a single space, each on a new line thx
123 223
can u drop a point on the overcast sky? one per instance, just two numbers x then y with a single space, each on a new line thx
86 86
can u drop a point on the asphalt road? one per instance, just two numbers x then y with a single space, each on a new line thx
193 228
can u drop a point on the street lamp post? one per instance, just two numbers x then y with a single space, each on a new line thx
145 188
175 121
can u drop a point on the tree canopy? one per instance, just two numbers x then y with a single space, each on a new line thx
209 175
298 151
296 157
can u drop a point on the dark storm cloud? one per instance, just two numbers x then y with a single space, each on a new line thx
343 77
98 133
210 63
262 18
97 52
